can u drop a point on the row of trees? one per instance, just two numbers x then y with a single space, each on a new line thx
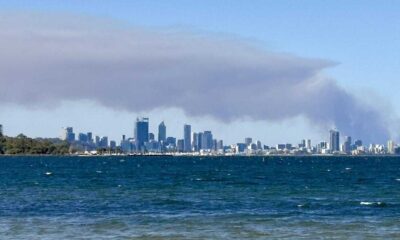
25 145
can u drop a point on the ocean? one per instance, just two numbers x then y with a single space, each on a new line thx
116 197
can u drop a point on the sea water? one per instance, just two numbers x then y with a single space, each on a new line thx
199 197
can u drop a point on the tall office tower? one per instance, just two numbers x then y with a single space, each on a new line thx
141 133
334 141
390 147
68 134
187 131
248 141
347 145
162 132
358 143
206 141
220 145
97 141
113 145
259 145
199 141
82 137
1 130
303 143
308 144
195 147
215 145
181 145
151 136
89 137
103 142
171 141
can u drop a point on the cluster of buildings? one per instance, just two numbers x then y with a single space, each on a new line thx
145 141
204 143
85 141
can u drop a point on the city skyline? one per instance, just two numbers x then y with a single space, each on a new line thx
273 85
143 140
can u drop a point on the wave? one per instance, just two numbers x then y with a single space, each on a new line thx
374 204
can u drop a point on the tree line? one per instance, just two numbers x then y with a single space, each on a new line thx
23 145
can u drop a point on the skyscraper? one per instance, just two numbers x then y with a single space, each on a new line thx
82 137
199 141
390 147
141 133
162 132
308 144
207 140
195 147
1 130
347 145
151 136
180 145
187 145
89 137
334 141
68 134
248 141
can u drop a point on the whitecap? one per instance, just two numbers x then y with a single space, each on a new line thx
48 173
397 179
348 168
99 171
122 160
372 203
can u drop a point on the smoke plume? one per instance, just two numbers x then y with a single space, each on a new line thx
45 60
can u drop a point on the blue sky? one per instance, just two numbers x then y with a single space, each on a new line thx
363 37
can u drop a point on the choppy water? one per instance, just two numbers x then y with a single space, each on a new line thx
199 198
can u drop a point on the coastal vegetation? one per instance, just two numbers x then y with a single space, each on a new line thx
23 145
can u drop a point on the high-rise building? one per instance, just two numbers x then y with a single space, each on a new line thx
187 130
334 140
308 144
1 130
171 141
303 143
162 132
215 145
248 141
390 147
195 147
113 145
82 137
358 143
151 136
259 145
206 140
68 134
103 142
141 133
97 141
199 141
181 145
89 137
347 145
220 145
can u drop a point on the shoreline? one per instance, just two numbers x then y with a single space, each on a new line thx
199 156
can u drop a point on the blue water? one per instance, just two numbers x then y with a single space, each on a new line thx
199 198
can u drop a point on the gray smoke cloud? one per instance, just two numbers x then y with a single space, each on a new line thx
45 60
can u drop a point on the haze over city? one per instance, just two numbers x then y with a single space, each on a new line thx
273 75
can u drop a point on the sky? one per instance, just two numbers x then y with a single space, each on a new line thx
340 55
